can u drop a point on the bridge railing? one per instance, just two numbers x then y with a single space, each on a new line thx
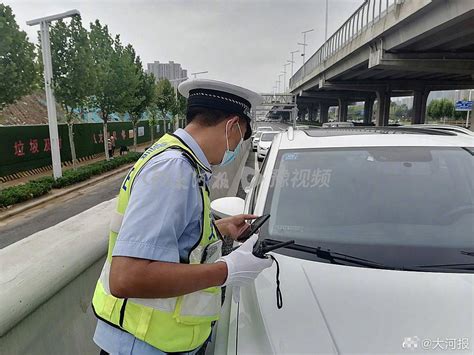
370 12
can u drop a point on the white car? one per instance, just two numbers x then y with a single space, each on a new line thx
255 140
257 134
386 222
265 143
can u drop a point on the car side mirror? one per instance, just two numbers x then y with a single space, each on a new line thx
227 206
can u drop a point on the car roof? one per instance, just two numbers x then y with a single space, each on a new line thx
445 127
370 137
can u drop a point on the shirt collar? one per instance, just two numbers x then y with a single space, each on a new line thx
189 140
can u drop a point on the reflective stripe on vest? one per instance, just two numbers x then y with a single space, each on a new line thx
169 324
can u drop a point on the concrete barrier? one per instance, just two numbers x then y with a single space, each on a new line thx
47 280
46 286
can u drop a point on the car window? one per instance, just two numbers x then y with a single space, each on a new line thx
268 137
379 201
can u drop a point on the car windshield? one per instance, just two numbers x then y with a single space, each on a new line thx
268 137
396 205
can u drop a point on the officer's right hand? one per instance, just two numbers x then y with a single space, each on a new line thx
242 266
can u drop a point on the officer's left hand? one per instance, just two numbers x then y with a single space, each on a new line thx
234 226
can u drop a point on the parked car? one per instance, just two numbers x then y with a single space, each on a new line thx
386 222
337 124
257 134
255 140
265 143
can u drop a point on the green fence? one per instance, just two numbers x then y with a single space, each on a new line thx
24 148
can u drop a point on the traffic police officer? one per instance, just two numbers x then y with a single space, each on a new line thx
159 290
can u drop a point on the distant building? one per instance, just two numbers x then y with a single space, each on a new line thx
170 71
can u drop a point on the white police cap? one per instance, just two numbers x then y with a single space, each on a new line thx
221 96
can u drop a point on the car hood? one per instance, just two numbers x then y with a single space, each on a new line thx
334 309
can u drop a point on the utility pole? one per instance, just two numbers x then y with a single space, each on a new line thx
44 23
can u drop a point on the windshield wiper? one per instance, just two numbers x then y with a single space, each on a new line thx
465 266
334 257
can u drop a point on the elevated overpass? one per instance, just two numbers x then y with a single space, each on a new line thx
390 48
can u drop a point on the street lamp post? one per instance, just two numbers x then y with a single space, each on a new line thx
48 77
284 76
326 23
279 83
304 47
199 72
179 80
292 61
304 43
468 112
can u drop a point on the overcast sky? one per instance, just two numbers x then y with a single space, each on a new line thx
245 42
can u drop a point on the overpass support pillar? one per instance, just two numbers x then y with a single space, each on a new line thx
368 110
312 113
323 112
419 106
342 111
383 108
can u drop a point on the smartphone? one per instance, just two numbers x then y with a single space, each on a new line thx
253 228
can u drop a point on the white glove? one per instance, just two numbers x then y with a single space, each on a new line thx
243 267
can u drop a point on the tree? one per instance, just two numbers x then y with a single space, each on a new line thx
116 76
73 70
434 110
443 108
18 72
401 111
447 108
180 105
165 98
144 97
152 114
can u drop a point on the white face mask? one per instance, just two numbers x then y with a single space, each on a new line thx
230 155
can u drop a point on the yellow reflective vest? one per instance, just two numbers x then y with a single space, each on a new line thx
170 324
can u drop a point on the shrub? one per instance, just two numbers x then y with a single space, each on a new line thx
41 186
24 192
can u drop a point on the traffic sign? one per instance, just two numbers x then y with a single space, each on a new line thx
464 105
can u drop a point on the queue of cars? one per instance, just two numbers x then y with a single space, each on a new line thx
256 136
264 143
383 218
